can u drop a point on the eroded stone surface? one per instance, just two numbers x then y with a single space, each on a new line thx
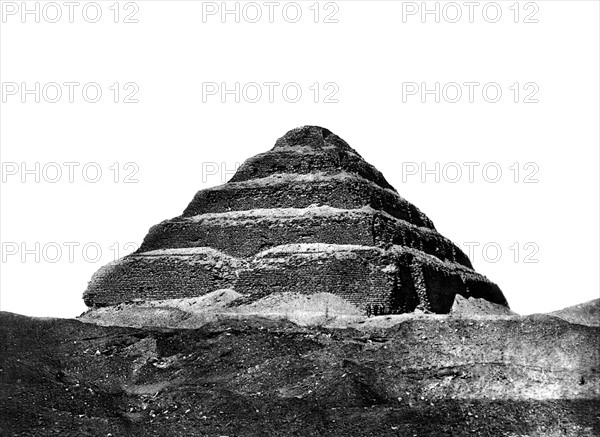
260 229
339 190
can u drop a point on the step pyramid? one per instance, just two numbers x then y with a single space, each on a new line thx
308 216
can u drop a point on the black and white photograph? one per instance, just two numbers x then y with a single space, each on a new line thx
300 218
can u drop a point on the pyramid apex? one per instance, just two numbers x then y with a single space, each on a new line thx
315 137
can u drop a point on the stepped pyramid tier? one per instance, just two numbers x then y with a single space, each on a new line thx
308 216
309 151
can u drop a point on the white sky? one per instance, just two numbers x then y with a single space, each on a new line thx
171 135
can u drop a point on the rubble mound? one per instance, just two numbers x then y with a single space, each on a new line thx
587 313
463 307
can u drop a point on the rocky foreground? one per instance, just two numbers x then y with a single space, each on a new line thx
418 375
